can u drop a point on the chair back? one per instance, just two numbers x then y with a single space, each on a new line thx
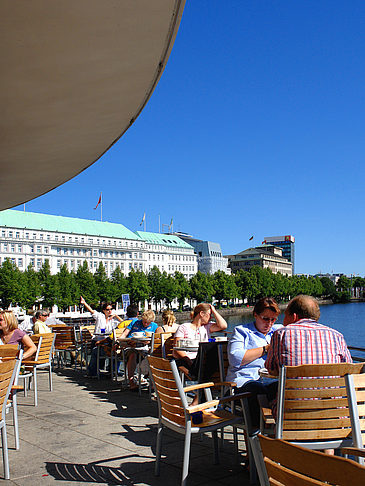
170 394
290 465
7 373
9 351
355 385
158 344
44 343
65 337
313 404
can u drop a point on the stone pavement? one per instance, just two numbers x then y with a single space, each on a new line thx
90 432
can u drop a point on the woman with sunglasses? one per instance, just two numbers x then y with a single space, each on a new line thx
247 351
104 320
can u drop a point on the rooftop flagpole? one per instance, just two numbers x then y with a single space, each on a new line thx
100 201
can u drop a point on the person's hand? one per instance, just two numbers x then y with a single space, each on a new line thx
82 300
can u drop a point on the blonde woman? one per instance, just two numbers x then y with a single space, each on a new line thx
169 321
10 334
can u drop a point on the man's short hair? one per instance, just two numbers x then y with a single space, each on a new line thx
148 315
305 307
132 310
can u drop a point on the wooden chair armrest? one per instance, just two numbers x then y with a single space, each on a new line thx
7 358
353 451
231 384
202 406
198 386
266 410
232 398
30 362
16 388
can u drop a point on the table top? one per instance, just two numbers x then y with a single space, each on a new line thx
143 339
186 348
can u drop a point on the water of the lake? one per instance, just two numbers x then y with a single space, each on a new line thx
349 319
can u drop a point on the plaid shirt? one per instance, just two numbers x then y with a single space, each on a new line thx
306 342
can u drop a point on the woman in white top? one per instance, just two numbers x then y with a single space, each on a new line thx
200 329
104 320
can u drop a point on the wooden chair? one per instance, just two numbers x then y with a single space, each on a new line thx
290 465
158 344
312 407
355 385
176 414
65 342
7 374
42 361
85 344
12 352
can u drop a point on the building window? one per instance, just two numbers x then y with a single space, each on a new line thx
41 236
20 262
19 248
17 234
13 260
10 234
48 237
56 238
3 234
39 262
140 266
58 263
12 248
39 248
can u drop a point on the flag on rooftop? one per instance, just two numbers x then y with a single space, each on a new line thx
250 238
98 201
143 219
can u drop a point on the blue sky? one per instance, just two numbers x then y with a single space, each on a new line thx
255 128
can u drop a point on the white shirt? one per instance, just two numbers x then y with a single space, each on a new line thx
102 323
26 324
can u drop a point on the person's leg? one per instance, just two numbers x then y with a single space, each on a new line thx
131 368
257 388
92 368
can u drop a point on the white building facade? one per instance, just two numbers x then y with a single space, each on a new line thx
32 238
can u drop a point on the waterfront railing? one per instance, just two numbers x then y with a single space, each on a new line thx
357 359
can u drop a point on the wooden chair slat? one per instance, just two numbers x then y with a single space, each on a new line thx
316 393
316 465
318 370
166 392
315 382
313 404
316 424
317 414
175 409
327 434
176 419
159 364
360 395
285 476
165 383
359 380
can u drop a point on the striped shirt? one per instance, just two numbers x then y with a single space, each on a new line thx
306 342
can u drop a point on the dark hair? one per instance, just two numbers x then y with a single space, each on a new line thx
266 303
104 305
132 310
199 308
38 314
304 306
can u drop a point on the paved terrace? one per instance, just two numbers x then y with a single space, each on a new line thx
89 432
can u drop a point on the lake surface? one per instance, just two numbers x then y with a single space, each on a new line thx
349 319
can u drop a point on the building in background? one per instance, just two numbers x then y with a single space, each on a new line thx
28 238
210 257
287 243
265 256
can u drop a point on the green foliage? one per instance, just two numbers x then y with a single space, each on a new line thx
329 288
224 286
118 285
202 287
138 287
103 284
10 290
183 289
86 284
31 288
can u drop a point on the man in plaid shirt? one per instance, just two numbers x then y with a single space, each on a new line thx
303 340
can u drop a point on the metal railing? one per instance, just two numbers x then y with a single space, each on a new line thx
357 359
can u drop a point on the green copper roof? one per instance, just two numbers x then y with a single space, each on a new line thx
48 222
162 239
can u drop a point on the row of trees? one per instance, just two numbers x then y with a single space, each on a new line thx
30 288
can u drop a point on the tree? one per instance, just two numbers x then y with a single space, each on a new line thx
201 287
246 283
103 284
138 287
224 286
9 283
183 289
32 288
48 285
154 279
86 284
168 287
119 285
65 297
329 288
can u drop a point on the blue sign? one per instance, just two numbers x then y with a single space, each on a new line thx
126 301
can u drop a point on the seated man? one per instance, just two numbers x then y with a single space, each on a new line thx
106 343
303 340
144 325
40 326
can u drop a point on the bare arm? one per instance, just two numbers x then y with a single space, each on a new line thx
220 323
117 317
29 346
84 303
254 353
159 330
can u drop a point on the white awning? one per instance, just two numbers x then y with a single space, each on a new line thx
75 75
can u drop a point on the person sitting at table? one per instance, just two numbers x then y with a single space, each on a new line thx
10 334
169 321
199 329
247 351
104 320
144 325
40 326
106 344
